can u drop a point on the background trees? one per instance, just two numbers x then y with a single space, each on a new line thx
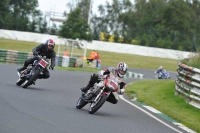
173 24
75 27
19 15
170 24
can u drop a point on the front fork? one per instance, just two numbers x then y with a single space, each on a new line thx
100 94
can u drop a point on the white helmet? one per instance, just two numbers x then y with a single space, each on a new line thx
121 69
161 68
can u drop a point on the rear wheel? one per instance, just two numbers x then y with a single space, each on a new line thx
31 80
97 104
80 103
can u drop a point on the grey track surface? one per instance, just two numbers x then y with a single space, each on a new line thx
49 107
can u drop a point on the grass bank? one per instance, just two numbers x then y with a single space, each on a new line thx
108 58
77 69
160 95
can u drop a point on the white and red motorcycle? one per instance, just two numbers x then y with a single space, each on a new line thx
98 94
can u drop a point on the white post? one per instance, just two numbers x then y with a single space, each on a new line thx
89 12
84 54
72 47
59 48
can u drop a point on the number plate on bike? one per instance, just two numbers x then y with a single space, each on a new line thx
113 84
43 63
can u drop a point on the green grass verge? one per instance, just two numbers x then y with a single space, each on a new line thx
160 95
77 69
108 58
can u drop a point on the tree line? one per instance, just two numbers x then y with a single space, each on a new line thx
172 24
23 15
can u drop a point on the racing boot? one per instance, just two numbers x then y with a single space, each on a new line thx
19 70
93 80
85 89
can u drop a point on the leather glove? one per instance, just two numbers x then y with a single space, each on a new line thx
121 91
122 85
35 53
51 67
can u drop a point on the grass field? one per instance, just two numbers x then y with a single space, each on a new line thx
160 95
156 93
108 58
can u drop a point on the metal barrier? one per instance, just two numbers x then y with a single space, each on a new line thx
130 74
15 57
188 84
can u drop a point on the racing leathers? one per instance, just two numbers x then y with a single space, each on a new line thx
160 72
113 97
43 51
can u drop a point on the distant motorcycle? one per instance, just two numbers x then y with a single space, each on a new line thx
98 94
162 75
29 76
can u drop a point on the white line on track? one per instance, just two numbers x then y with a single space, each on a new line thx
149 114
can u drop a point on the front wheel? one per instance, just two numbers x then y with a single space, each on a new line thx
31 80
80 103
20 81
97 104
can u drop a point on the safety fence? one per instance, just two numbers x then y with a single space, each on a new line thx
130 74
16 57
188 84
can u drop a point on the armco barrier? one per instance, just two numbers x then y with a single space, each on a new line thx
15 57
130 74
188 83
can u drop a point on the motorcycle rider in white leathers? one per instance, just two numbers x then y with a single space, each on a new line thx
119 71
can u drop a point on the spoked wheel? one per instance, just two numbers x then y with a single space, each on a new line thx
31 80
97 104
80 103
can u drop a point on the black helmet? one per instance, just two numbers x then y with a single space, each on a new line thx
50 42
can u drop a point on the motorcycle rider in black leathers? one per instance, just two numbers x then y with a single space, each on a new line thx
119 71
47 50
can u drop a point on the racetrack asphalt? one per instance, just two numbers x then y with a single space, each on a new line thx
49 107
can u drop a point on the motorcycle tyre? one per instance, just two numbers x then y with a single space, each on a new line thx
80 103
20 82
98 105
30 81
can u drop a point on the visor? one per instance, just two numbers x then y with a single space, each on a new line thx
122 72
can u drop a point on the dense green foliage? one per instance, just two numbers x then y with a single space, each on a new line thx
75 27
23 15
172 24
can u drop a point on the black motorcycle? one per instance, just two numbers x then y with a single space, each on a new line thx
29 76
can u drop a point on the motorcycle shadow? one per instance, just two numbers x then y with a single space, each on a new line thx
33 88
98 113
